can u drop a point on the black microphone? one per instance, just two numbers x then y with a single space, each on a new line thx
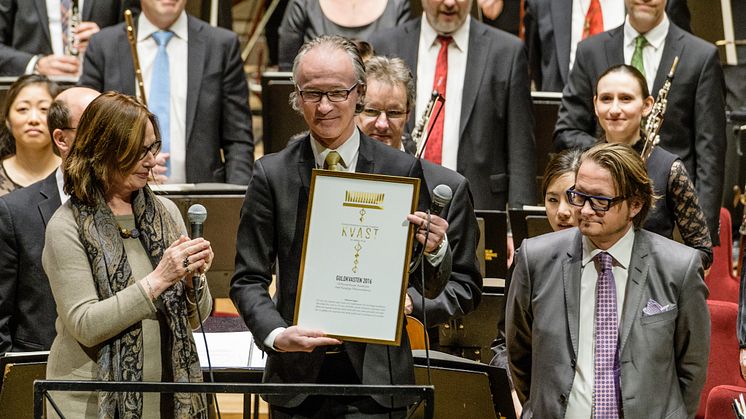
442 195
197 215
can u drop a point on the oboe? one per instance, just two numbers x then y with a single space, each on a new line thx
655 119
132 38
424 121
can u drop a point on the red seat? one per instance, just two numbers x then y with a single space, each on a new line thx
722 280
722 366
719 402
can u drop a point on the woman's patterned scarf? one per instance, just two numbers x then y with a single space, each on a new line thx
121 357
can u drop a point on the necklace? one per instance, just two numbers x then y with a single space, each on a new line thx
127 233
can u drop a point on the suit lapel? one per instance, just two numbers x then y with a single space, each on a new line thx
614 47
476 59
50 200
127 75
561 14
85 14
41 7
672 49
636 279
365 158
195 68
571 274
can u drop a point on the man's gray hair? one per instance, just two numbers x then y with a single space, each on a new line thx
329 42
394 72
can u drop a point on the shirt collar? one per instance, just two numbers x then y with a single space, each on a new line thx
655 37
145 28
347 150
59 177
460 36
621 251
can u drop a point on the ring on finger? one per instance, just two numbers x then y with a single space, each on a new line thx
185 263
188 270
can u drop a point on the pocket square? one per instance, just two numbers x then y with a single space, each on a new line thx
653 307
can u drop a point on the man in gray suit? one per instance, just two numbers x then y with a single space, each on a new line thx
608 320
694 126
27 308
210 137
389 99
488 121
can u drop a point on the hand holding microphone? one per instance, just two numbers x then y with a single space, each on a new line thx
442 195
197 214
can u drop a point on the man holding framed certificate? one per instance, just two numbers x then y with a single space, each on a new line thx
330 86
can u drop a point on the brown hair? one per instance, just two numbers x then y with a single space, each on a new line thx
566 161
629 173
109 142
7 142
626 69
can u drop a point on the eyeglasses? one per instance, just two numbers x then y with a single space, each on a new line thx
313 96
154 148
391 114
598 203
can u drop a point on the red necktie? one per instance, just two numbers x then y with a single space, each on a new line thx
434 149
594 20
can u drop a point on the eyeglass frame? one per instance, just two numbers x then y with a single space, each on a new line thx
151 149
610 201
326 93
397 113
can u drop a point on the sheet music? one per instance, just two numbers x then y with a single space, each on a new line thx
229 350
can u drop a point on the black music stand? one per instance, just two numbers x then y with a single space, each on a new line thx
279 121
519 223
545 106
495 242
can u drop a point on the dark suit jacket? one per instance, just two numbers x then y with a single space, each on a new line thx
272 226
463 292
548 24
217 108
694 126
663 356
496 147
27 308
24 28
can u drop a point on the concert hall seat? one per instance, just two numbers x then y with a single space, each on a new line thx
722 281
722 368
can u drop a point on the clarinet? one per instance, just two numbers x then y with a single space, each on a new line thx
424 121
73 23
655 119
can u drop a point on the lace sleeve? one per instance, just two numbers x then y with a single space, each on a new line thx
688 215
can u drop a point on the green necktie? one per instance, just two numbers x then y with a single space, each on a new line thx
637 62
333 161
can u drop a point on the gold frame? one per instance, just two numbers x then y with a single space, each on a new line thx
415 182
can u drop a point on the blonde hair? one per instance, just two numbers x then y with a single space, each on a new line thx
108 144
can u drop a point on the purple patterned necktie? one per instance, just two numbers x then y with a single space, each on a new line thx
605 383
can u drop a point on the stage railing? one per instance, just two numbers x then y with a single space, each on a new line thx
43 387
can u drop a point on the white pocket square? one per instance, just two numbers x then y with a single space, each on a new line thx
653 307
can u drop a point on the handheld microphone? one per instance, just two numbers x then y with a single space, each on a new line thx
442 195
197 214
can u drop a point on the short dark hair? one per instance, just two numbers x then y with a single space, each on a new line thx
629 173
58 117
626 69
7 142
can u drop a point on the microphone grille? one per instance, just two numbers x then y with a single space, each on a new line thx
197 214
442 194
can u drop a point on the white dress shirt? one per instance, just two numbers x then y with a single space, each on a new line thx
652 53
427 59
580 402
613 12
60 178
177 60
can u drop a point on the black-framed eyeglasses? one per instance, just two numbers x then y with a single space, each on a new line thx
154 148
598 203
313 96
390 114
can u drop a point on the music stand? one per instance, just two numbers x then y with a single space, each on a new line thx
495 242
279 121
519 224
545 106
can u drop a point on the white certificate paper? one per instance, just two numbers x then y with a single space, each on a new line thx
355 261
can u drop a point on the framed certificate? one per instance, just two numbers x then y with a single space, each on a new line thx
355 261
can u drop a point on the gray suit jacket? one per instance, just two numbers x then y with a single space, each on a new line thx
27 308
496 147
270 234
663 356
217 105
24 28
694 126
548 24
